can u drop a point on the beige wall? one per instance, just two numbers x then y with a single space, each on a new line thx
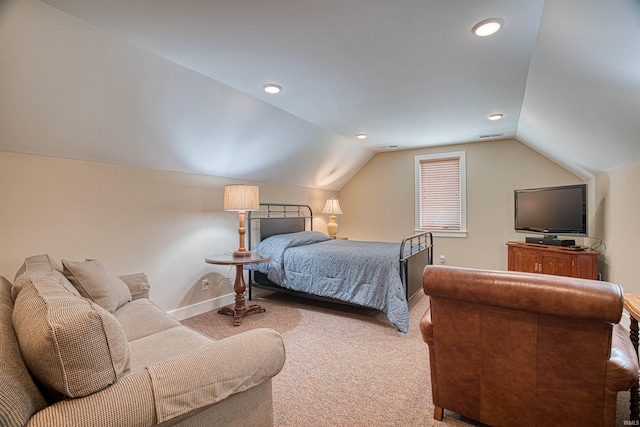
615 221
133 219
379 202
70 90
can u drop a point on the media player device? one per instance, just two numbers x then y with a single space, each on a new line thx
550 241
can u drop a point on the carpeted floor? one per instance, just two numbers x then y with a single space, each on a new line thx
346 366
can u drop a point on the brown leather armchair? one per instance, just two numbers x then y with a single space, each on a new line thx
524 349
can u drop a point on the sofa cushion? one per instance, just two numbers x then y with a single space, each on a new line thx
96 282
165 345
39 265
19 396
141 318
70 344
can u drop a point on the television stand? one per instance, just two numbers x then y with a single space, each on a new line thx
560 261
550 241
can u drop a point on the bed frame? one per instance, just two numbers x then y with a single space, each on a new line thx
416 251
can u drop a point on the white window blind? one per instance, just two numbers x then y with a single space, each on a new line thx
441 193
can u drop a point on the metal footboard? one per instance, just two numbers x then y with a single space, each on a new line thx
416 252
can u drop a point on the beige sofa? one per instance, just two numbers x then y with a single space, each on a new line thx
80 346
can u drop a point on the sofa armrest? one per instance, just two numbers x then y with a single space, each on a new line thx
237 363
176 386
622 366
129 401
426 327
138 284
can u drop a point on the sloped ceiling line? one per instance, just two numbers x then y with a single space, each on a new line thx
177 85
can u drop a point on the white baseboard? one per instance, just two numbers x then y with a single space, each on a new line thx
202 307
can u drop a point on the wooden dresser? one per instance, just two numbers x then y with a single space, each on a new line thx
557 260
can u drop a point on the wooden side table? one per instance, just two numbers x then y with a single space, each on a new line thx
239 309
632 305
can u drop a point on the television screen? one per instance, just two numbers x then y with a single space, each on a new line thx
552 210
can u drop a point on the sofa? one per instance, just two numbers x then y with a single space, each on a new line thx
82 346
525 349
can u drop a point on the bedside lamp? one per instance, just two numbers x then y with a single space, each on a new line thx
241 198
332 208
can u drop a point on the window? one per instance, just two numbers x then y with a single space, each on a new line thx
441 194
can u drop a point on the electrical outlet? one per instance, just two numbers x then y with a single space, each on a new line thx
205 284
442 259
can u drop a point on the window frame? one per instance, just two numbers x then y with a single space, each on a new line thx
461 156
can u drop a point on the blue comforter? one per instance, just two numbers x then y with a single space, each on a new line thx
363 273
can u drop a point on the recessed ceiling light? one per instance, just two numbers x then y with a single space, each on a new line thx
361 136
272 88
495 116
487 27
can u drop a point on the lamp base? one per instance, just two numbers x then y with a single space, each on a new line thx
242 253
332 227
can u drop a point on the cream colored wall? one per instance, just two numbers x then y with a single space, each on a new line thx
615 221
379 202
133 219
70 90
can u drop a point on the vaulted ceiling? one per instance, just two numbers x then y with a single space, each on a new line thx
564 73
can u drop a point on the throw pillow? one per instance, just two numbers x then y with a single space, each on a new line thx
96 282
70 344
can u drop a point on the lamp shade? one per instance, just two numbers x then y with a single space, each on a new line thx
332 207
239 197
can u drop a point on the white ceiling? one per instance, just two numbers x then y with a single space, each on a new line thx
565 73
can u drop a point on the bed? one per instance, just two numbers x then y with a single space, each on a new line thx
379 275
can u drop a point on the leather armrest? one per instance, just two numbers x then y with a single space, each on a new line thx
622 366
426 327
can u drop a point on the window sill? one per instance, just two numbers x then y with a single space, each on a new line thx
446 233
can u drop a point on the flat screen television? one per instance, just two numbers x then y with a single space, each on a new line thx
552 211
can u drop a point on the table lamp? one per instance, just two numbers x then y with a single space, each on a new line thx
241 198
332 208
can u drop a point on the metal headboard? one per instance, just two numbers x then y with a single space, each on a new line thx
277 218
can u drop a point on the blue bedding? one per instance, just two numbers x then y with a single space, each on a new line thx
363 273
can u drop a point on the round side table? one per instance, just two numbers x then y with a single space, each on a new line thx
239 309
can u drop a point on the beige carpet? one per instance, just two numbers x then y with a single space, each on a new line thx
346 366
